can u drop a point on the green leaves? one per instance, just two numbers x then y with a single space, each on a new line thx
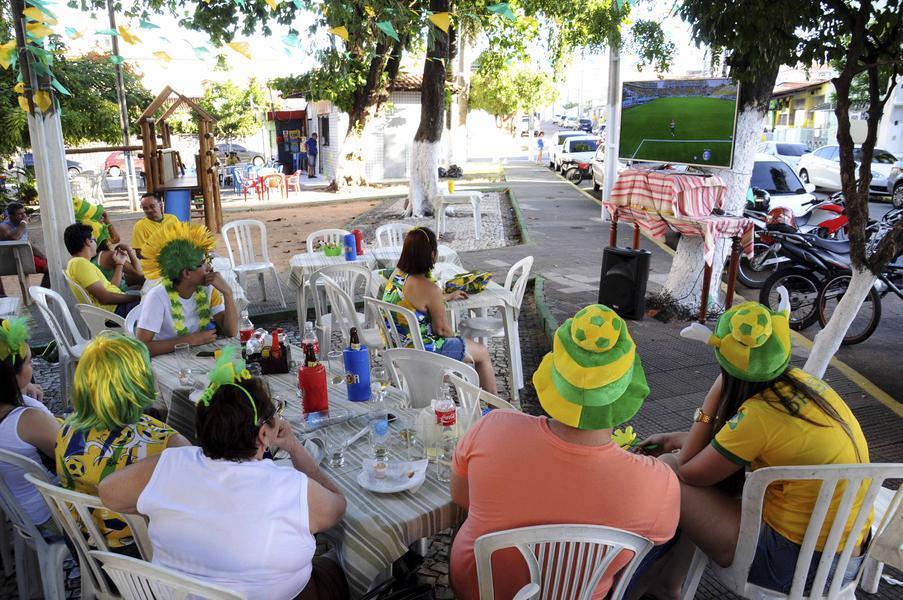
503 89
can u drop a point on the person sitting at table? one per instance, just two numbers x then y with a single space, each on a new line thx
411 286
26 426
15 227
154 219
758 413
192 302
223 514
108 240
102 292
108 428
592 381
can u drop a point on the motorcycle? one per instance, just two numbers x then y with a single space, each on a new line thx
576 172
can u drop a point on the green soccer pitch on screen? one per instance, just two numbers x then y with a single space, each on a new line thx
679 121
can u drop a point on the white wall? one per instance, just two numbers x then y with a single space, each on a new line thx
890 132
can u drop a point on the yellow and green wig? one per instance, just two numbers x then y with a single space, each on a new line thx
113 383
90 214
751 341
14 336
176 246
593 378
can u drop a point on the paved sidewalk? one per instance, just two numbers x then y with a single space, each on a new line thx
566 238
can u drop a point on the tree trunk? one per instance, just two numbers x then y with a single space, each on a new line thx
684 283
424 187
828 340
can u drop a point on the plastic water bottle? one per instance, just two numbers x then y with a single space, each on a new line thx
310 339
379 424
447 421
245 327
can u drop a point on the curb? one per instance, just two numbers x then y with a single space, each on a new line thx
518 217
549 323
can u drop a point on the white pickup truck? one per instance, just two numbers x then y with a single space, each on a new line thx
576 149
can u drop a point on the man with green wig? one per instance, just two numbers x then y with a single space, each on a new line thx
566 464
192 302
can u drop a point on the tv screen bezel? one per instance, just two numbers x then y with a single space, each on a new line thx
630 160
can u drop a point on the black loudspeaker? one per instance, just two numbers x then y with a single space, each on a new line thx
622 286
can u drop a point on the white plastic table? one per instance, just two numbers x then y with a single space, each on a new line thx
450 198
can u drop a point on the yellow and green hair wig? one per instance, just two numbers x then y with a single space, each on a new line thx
90 214
14 336
174 247
593 378
113 383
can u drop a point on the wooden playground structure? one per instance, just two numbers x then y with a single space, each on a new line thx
163 167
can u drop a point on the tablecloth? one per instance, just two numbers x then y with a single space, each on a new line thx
301 266
387 256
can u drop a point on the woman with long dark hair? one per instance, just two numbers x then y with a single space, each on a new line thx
411 286
26 426
760 412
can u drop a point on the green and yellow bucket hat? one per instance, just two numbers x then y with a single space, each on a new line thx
752 342
593 378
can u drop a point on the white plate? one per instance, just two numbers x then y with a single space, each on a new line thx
400 476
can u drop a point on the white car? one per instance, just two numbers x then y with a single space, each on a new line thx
556 141
598 168
776 177
822 167
580 148
245 155
790 152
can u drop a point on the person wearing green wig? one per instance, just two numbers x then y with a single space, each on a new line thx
108 428
760 412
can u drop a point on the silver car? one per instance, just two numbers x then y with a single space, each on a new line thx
789 152
245 155
822 167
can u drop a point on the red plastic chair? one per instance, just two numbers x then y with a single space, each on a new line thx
274 181
294 180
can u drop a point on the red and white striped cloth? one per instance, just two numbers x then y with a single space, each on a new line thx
657 201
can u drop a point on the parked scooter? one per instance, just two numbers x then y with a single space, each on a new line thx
575 172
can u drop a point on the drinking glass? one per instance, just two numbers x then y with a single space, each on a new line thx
335 452
335 366
183 355
380 438
411 447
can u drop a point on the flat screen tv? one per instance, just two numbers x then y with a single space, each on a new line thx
683 121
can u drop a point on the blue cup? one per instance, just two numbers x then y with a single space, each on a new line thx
357 374
350 247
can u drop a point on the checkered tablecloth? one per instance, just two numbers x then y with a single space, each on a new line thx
377 528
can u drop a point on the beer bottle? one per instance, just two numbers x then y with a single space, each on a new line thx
355 340
310 357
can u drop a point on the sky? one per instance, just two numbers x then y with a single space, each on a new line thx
586 77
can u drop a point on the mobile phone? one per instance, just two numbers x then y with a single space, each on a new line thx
650 449
205 354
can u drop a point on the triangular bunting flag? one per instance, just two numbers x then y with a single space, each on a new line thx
163 57
59 86
291 40
8 54
147 25
38 30
299 4
37 14
42 7
242 48
241 3
42 100
19 88
387 28
72 33
201 52
116 59
23 103
127 36
370 12
441 20
502 9
340 31
272 4
106 32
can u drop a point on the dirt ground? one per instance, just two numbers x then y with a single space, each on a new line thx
287 230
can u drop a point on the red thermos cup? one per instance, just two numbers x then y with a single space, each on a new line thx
359 240
312 381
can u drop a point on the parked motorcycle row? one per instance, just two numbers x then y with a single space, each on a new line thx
810 257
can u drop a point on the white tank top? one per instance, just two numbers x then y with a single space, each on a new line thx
242 525
14 477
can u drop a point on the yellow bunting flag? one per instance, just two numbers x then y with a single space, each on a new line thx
23 103
19 88
441 20
370 12
42 100
242 48
127 36
340 31
272 4
7 51
163 57
36 14
38 30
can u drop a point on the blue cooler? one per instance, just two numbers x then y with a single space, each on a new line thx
178 203
357 374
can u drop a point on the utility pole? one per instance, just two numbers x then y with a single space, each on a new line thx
613 120
46 135
131 184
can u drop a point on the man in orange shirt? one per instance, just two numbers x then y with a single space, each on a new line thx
515 470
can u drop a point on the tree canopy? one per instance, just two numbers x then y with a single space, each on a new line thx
506 89
234 108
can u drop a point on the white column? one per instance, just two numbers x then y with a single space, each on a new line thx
612 123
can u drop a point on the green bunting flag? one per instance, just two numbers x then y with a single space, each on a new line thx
147 25
387 28
241 3
107 32
72 32
299 4
116 59
201 52
292 40
59 86
503 9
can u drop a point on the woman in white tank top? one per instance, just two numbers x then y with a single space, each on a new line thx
221 513
26 426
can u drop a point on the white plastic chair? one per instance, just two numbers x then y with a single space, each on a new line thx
887 546
472 398
329 236
344 315
384 314
421 374
63 503
507 325
250 258
554 554
140 580
851 477
97 319
70 342
28 538
353 279
131 320
391 235
81 294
